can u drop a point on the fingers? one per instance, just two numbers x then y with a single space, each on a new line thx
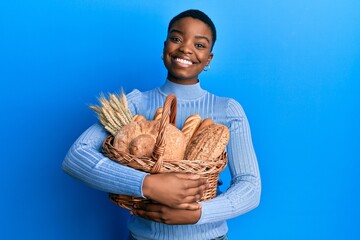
200 182
192 180
151 212
192 198
189 176
176 190
189 206
155 207
150 207
194 194
153 216
164 214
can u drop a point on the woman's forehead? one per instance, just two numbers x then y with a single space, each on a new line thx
191 25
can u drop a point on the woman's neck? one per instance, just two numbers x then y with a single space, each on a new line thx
189 81
183 91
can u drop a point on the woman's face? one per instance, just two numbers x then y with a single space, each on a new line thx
187 50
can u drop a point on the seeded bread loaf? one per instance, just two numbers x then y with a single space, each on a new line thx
209 143
204 124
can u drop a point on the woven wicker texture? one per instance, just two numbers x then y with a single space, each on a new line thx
209 168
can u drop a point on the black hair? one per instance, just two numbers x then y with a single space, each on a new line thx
197 14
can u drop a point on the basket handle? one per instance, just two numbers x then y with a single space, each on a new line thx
168 116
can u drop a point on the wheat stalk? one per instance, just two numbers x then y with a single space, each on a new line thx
124 103
113 112
114 102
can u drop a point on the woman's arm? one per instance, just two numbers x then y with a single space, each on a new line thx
85 162
244 192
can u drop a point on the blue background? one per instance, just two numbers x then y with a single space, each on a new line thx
293 65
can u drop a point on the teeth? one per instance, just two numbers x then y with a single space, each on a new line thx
183 61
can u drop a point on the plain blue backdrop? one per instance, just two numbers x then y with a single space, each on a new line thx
293 65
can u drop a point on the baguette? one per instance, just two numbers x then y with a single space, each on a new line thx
191 124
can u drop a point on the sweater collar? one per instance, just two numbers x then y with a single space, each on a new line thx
183 91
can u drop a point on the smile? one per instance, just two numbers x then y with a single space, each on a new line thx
183 61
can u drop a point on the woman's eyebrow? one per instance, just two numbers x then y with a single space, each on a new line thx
177 31
197 36
202 37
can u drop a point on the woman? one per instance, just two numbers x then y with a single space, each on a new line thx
178 213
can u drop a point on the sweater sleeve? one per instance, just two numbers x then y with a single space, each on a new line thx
85 162
243 194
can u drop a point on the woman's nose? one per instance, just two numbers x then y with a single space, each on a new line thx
186 48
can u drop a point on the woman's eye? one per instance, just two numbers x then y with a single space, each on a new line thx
199 45
175 39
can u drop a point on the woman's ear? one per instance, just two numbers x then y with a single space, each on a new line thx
210 57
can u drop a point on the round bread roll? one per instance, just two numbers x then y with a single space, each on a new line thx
138 139
142 145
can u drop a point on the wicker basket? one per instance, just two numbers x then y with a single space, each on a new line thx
209 168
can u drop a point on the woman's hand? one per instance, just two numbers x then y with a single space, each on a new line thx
175 190
164 214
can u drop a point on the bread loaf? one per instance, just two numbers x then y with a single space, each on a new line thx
138 139
209 143
191 124
204 124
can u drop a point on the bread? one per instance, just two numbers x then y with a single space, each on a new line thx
158 113
142 145
138 118
209 143
132 130
204 124
191 124
138 138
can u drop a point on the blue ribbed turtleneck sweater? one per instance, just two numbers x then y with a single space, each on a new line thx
86 163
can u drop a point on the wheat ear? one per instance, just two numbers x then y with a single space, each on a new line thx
113 113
